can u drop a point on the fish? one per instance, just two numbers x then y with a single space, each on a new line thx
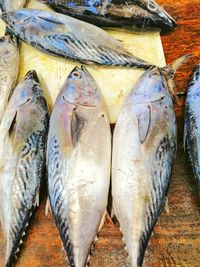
10 5
59 35
192 124
9 67
78 163
144 149
23 134
111 13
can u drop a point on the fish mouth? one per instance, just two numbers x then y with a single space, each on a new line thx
32 75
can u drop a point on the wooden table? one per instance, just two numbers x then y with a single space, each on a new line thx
176 240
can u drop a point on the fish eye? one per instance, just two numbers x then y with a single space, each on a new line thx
155 73
152 6
77 75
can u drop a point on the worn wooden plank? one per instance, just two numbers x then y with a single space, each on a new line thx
176 240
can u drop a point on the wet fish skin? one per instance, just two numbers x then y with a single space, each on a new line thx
142 161
10 5
57 34
9 65
139 13
192 124
23 132
78 161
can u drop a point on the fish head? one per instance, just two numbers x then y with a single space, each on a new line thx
26 95
159 13
80 89
151 87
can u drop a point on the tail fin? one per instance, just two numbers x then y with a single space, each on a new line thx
169 72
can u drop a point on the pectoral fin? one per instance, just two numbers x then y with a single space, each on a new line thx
77 125
144 120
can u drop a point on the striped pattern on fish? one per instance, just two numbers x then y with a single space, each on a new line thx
192 124
79 164
22 146
57 196
61 35
142 162
140 13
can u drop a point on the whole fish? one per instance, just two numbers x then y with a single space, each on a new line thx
9 66
115 13
23 133
144 145
10 5
192 124
78 161
57 34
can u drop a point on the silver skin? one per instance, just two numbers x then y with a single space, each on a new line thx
144 145
60 35
192 124
10 5
112 13
78 161
9 66
23 132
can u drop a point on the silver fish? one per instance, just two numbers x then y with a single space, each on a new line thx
115 13
57 34
78 161
192 124
10 5
144 145
9 66
23 132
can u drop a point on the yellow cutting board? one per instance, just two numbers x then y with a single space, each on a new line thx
115 82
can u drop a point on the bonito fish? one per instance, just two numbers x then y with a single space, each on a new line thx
9 65
23 133
78 160
61 35
144 145
192 123
112 13
10 5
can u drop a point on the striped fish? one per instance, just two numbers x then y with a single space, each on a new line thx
23 134
192 124
9 65
10 5
144 145
64 36
112 13
78 161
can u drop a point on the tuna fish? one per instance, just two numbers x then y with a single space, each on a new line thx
9 65
23 132
115 13
144 145
61 35
10 5
78 160
192 124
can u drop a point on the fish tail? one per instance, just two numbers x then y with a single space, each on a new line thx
13 247
169 72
